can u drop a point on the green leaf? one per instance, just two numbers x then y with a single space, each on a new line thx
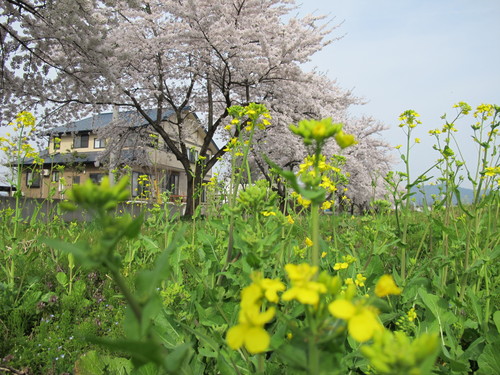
89 363
496 319
149 312
92 363
141 352
438 307
175 360
147 281
204 339
62 279
134 228
489 360
223 366
80 251
169 334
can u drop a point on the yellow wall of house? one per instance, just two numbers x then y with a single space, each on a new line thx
56 189
66 145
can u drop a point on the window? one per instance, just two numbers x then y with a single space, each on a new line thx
33 179
76 180
96 177
171 183
203 197
153 141
99 143
130 140
81 141
141 184
193 155
55 176
57 143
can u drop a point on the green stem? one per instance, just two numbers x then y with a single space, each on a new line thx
407 209
487 305
122 285
313 360
261 364
20 160
315 257
232 202
466 263
313 357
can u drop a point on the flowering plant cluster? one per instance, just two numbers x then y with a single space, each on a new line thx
326 174
331 310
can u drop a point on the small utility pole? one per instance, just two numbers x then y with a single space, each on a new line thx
112 154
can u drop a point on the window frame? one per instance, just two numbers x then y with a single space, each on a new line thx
56 143
99 143
139 190
81 141
33 179
193 155
171 182
96 177
55 176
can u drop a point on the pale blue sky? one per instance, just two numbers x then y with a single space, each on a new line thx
424 55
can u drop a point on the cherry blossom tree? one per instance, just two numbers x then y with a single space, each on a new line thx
69 57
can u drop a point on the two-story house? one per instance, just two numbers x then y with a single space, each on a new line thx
79 151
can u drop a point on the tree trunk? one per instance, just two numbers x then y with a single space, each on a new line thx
194 186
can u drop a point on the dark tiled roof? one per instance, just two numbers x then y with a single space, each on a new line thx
96 122
128 156
65 158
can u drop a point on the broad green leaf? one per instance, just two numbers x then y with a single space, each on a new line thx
147 281
176 359
141 352
133 229
223 366
62 279
496 319
438 307
167 332
89 363
80 251
489 360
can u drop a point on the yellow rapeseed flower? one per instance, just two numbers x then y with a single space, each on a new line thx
360 280
326 205
492 171
349 259
269 288
303 289
412 315
340 266
308 242
250 332
303 202
362 322
386 286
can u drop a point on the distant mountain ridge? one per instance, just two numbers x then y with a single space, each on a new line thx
466 195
